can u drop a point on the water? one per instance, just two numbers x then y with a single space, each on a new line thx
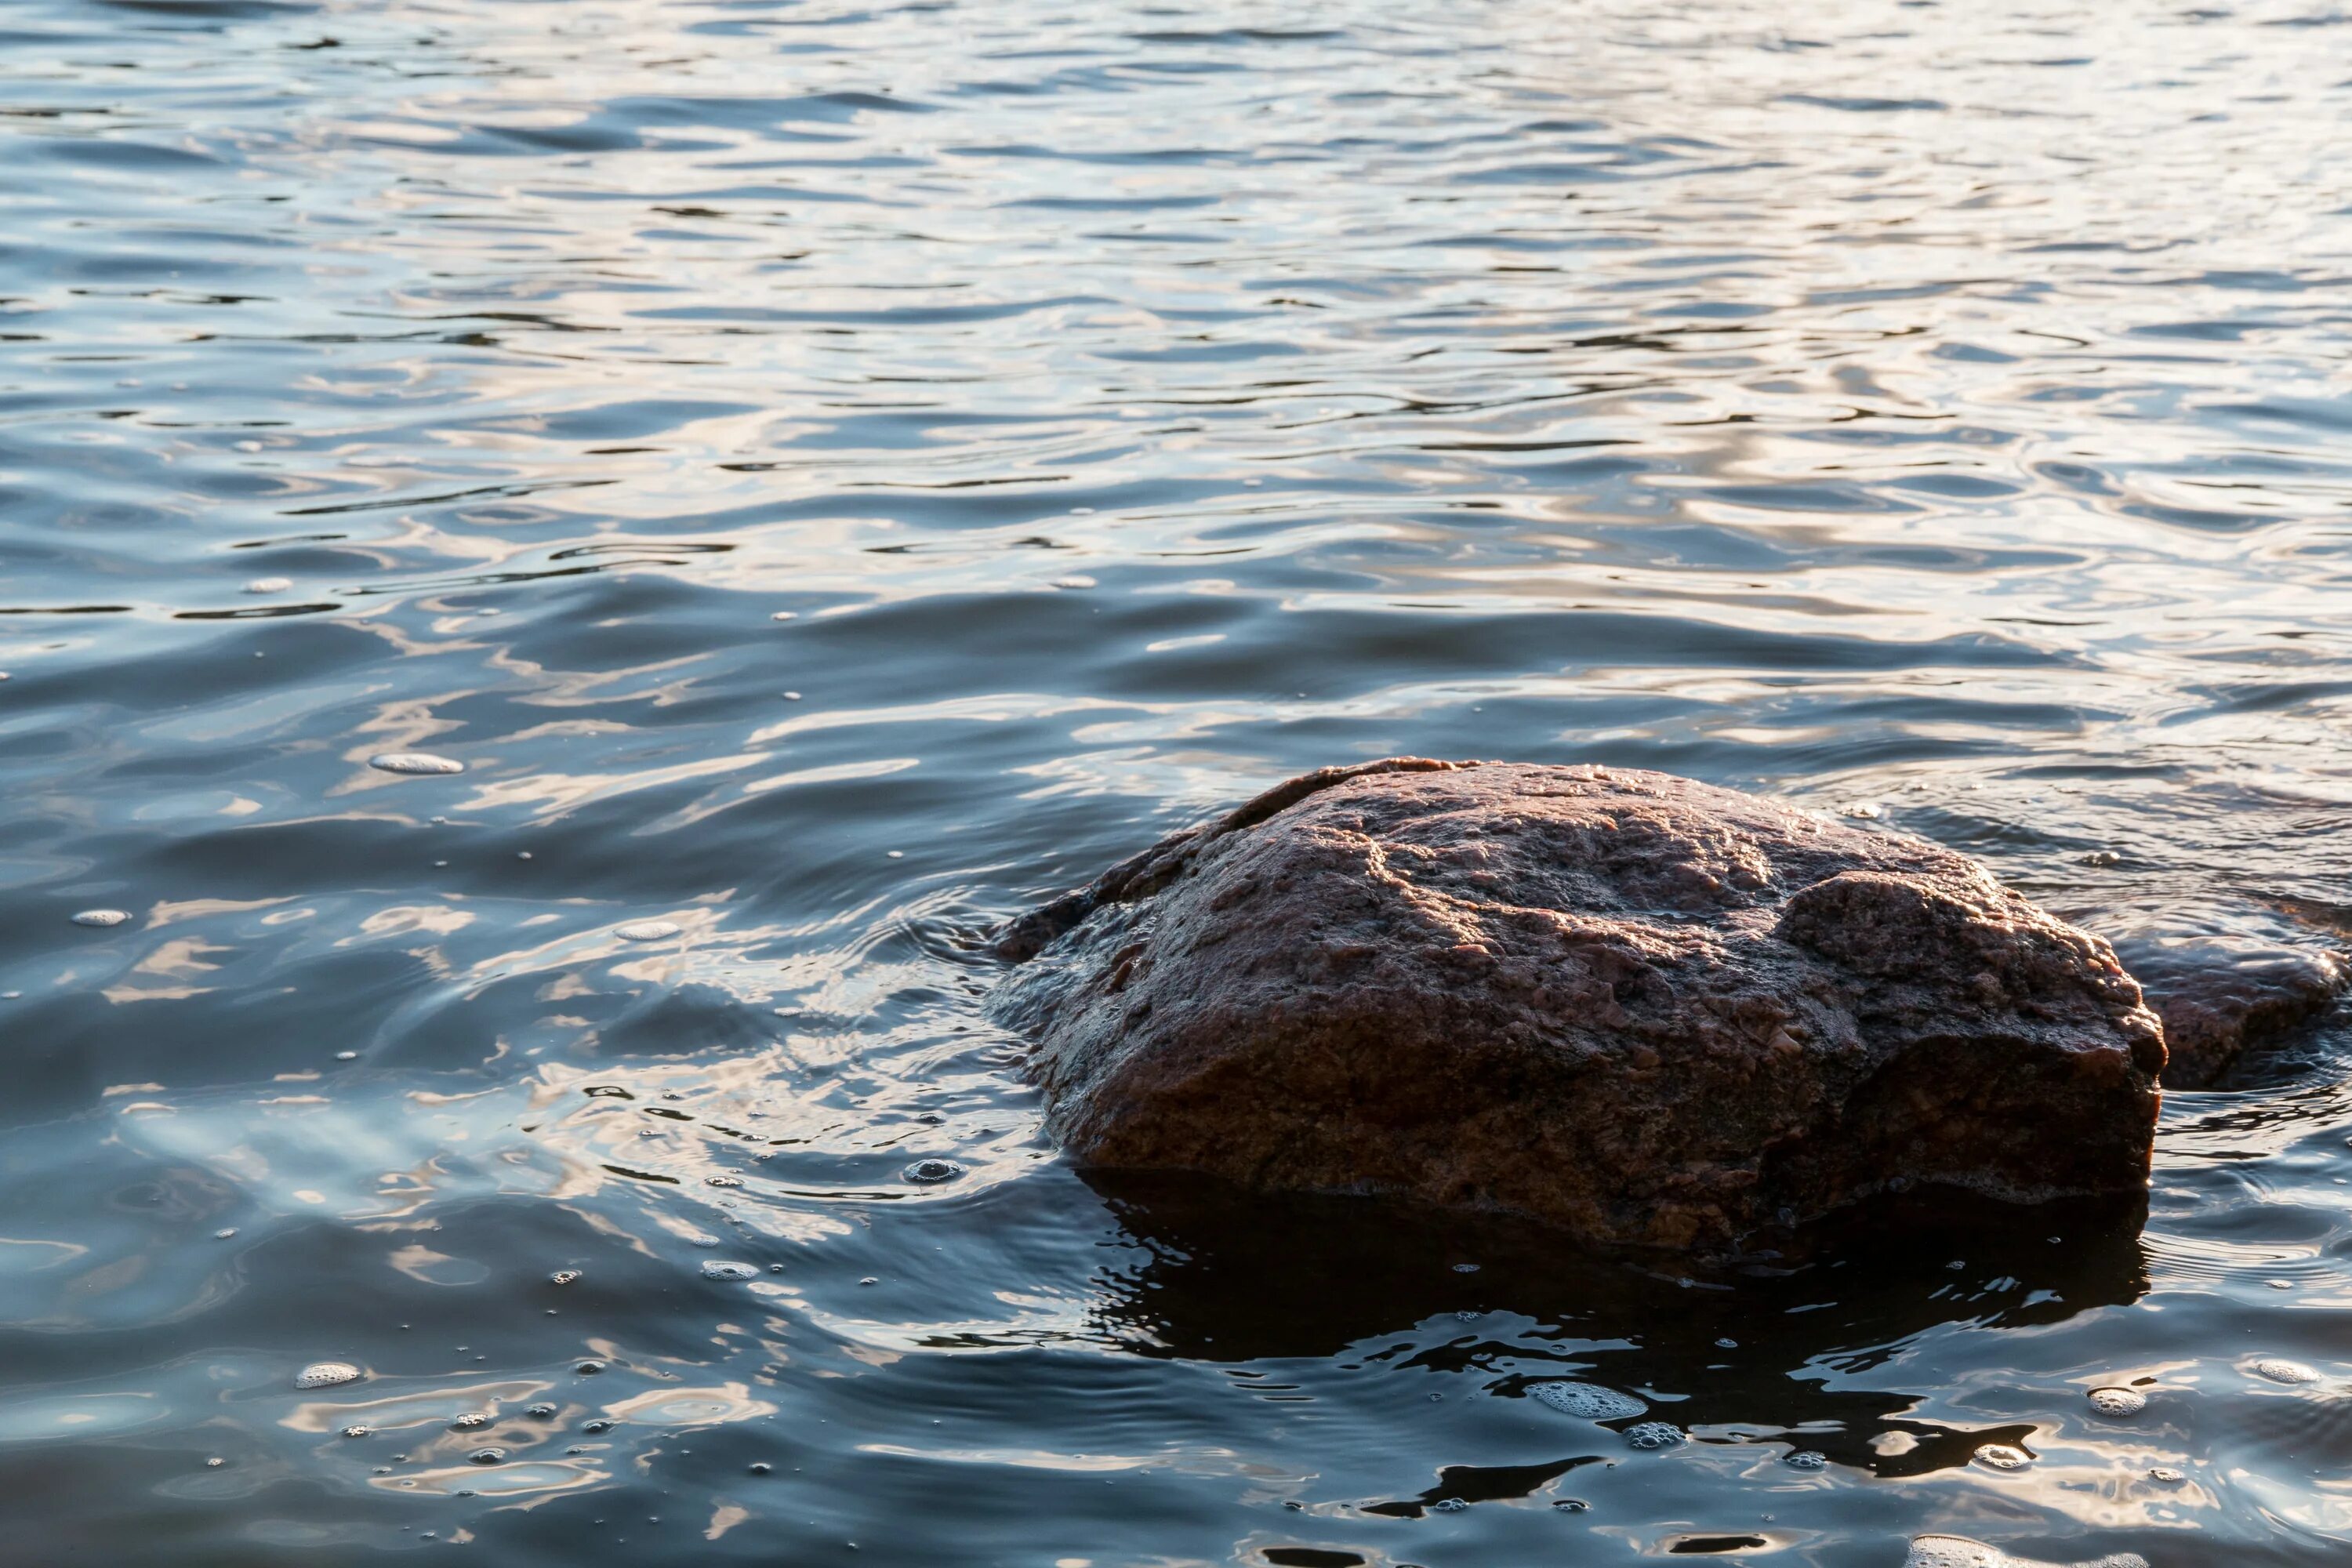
830 476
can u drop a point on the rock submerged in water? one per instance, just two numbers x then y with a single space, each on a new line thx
1649 1010
2228 981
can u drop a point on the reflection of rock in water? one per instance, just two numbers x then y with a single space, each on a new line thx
1462 1484
1217 1273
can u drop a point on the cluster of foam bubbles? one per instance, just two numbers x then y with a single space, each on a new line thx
326 1374
416 763
2280 1370
2118 1402
1960 1552
1808 1459
101 917
2003 1457
715 1269
1588 1402
647 930
1654 1435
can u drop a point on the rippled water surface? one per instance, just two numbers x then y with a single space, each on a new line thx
833 475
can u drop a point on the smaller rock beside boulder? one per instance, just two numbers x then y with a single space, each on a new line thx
1644 1009
2227 980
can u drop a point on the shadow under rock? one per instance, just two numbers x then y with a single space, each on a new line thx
1217 1273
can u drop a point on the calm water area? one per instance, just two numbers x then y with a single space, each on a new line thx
833 474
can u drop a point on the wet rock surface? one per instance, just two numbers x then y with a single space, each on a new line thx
2229 981
1646 1009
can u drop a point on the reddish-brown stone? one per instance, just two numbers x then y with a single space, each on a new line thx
2229 980
1646 1009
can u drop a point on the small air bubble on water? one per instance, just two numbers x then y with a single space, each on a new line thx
2118 1402
563 1277
599 1425
1465 1268
1726 1345
722 1180
930 1172
1807 1459
486 1456
541 1412
759 1468
589 1368
470 1421
347 1056
1449 1505
715 1269
101 917
326 1374
1654 1435
416 763
214 1463
2166 1475
224 1233
358 1431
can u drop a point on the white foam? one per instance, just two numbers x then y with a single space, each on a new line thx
1588 1402
416 763
326 1374
1960 1552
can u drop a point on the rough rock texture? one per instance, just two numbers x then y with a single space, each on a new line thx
1646 1009
2226 980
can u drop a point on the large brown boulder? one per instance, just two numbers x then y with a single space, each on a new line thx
1646 1009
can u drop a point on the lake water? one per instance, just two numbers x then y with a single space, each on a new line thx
833 475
